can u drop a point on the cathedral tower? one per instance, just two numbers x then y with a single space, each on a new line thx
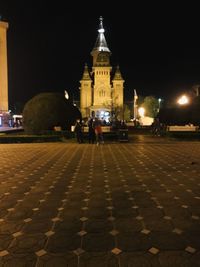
99 93
3 67
86 93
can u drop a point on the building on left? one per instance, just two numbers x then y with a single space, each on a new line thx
4 106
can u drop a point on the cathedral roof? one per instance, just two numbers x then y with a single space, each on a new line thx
101 44
86 75
117 75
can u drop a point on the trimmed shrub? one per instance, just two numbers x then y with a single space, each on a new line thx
46 110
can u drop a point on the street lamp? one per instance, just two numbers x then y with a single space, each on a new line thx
159 101
141 111
66 94
183 100
135 105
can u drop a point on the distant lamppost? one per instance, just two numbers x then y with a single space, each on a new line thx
135 106
66 94
159 103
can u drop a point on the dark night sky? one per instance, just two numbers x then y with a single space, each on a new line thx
156 46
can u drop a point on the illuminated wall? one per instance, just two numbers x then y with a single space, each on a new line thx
3 67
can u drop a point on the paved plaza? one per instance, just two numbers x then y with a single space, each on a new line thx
133 204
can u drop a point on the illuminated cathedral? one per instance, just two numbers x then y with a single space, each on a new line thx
101 91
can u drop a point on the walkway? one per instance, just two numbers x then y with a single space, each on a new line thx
9 129
113 205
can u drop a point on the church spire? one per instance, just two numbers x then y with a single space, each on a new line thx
118 75
101 44
86 75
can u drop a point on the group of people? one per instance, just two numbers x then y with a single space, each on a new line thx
95 134
158 128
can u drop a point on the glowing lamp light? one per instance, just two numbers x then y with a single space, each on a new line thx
141 111
101 30
66 95
183 100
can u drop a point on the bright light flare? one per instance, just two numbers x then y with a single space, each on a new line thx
183 100
66 94
141 111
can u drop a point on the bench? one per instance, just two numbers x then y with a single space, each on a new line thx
185 128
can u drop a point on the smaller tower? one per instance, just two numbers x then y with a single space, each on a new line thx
3 67
86 93
118 89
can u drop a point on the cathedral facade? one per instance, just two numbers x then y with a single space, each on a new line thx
101 90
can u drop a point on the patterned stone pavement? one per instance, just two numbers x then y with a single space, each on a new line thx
113 205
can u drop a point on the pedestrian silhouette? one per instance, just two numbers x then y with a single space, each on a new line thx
78 131
91 131
98 131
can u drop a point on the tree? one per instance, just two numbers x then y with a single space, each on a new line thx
122 112
151 106
47 110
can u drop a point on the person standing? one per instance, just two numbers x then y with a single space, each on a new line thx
156 127
98 131
91 131
78 131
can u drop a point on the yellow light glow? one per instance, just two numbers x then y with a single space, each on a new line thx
141 111
183 100
66 95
